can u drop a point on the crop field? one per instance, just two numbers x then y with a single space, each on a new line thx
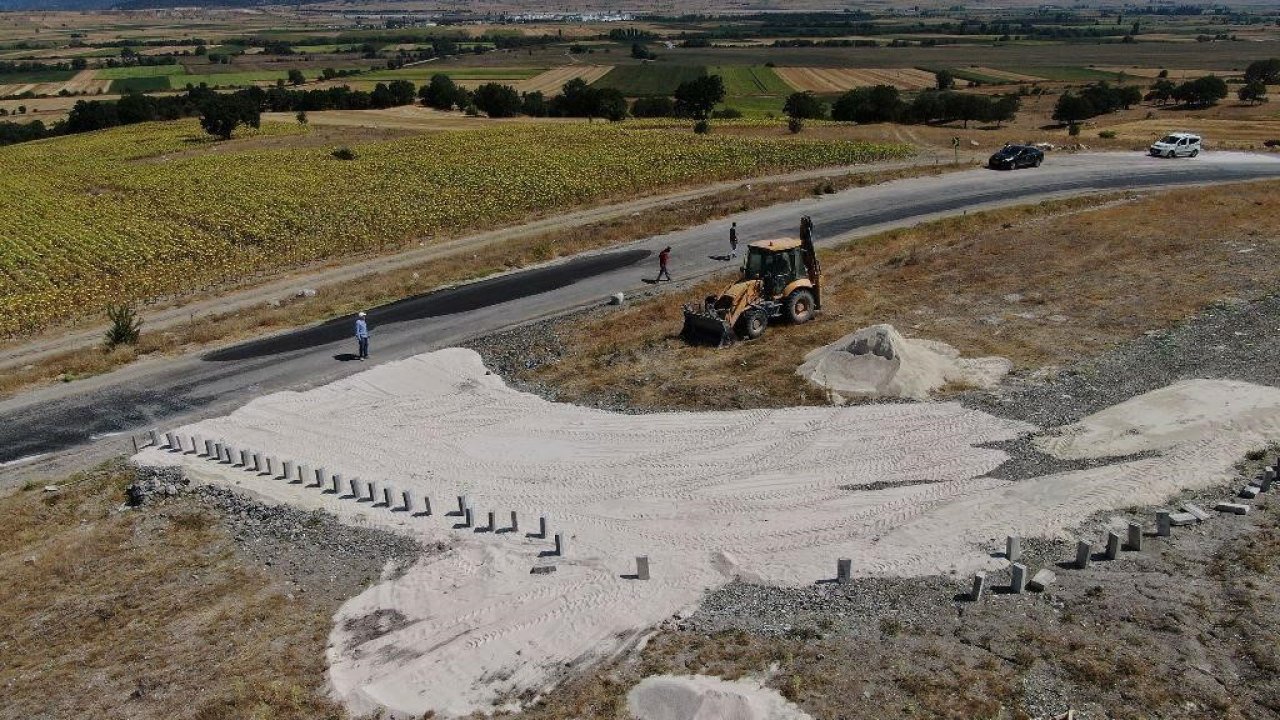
641 80
231 79
550 82
143 212
140 71
830 80
750 80
140 84
37 76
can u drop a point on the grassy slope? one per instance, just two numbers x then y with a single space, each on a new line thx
951 281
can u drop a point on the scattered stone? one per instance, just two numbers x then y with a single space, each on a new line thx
979 582
1135 537
1234 508
1200 513
1249 492
151 483
617 299
1017 578
305 292
1084 552
1042 580
1013 548
1113 545
1182 518
51 488
542 569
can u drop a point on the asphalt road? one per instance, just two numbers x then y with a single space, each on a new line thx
85 420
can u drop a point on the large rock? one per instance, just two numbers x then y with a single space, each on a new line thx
877 362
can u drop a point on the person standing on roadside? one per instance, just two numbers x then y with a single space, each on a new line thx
733 242
362 336
663 258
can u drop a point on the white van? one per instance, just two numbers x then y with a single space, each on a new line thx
1176 145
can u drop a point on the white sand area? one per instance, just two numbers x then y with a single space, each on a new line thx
773 496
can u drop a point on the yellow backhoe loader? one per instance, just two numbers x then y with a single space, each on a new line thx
779 279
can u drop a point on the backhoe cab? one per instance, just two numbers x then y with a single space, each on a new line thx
778 279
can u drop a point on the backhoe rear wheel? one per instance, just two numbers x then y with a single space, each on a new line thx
799 306
752 324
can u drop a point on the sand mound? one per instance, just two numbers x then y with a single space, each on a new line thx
699 697
877 362
1188 412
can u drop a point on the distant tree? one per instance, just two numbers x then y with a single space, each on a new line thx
944 79
697 98
1207 90
1162 91
1072 108
442 93
79 63
651 107
1254 91
301 117
296 77
640 52
1004 109
220 115
967 107
880 103
1265 71
534 104
402 92
611 105
497 100
201 50
805 106
1163 73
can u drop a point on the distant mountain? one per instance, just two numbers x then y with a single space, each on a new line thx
121 4
56 4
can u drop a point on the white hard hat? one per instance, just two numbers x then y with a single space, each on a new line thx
361 313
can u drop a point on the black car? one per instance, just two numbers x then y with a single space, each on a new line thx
1012 157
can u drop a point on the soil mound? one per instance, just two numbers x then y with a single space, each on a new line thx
878 362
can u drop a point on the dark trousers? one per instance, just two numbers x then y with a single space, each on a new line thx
364 347
662 272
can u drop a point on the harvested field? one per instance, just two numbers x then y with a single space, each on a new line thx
833 80
550 82
87 81
1173 73
1006 75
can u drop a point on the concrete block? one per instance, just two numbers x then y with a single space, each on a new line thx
372 488
1200 513
1249 492
195 444
303 473
134 439
1164 526
170 441
1268 477
467 520
257 462
1233 508
208 448
1113 545
1013 548
154 436
244 458
1042 580
1135 537
228 455
217 452
386 496
272 466
542 526
492 525
337 484
320 476
561 547
1017 578
515 522
408 500
1181 519
542 569
844 570
426 504
1084 550
642 567
355 487
979 583
462 504
286 469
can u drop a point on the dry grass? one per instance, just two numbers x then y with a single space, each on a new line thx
137 615
347 297
1041 285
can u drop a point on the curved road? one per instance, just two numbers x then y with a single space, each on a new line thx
41 431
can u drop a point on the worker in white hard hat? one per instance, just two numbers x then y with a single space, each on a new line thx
362 335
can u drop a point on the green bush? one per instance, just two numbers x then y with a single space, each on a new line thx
1107 134
125 326
344 153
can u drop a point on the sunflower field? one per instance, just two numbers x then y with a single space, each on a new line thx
155 211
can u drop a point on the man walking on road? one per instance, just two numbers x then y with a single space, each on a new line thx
362 336
663 257
733 242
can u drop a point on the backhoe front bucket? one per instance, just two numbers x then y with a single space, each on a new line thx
703 328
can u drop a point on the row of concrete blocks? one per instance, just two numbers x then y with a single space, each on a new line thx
254 461
1165 522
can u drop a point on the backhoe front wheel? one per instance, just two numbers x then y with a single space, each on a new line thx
752 324
799 307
